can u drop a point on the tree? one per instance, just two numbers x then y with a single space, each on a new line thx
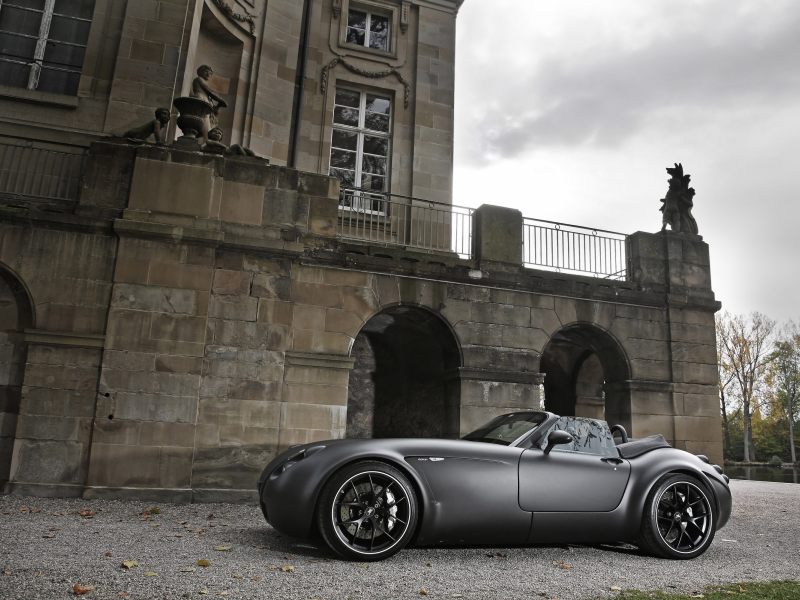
785 376
746 349
726 401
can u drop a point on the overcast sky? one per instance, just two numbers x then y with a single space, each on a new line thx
571 110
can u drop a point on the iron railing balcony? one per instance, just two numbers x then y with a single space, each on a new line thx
392 219
40 170
574 249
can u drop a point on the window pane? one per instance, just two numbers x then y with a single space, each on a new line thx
347 98
345 116
373 182
63 29
376 122
35 4
379 32
376 145
355 36
58 82
14 75
348 178
345 139
373 164
15 20
83 9
16 47
356 18
343 159
61 55
377 104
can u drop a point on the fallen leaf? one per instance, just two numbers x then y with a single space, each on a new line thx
269 567
155 511
24 510
741 589
129 564
36 511
86 514
79 590
49 536
615 588
429 565
211 516
181 522
108 553
255 578
7 572
237 576
203 563
288 569
289 557
424 592
222 548
203 592
457 596
178 535
262 547
562 565
155 524
38 574
150 574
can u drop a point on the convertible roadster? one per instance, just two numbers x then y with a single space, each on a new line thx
523 478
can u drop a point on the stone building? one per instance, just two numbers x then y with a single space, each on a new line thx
173 318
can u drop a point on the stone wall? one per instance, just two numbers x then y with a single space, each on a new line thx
197 315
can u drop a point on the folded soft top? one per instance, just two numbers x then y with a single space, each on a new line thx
635 448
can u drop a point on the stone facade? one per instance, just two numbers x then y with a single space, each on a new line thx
168 347
141 54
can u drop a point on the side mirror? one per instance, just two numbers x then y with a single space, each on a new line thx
557 438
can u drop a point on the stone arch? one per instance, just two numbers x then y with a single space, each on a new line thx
584 367
398 385
16 315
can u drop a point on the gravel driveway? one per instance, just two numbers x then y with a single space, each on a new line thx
46 548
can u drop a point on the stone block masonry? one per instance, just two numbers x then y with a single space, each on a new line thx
192 316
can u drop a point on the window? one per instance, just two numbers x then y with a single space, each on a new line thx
591 436
360 141
43 43
368 29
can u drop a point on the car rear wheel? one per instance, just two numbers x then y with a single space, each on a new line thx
679 518
367 511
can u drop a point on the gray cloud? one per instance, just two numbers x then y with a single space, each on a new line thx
721 62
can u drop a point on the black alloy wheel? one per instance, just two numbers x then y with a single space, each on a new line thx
368 511
679 519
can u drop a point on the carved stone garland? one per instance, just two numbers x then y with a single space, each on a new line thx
245 18
371 74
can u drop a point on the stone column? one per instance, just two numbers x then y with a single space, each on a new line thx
685 407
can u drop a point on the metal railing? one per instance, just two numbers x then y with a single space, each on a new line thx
574 249
403 221
35 169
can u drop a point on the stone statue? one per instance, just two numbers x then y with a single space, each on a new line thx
678 202
156 128
201 90
215 146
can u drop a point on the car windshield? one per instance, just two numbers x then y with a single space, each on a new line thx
507 428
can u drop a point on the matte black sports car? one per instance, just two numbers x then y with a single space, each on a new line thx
523 478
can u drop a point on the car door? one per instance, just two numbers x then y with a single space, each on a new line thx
586 476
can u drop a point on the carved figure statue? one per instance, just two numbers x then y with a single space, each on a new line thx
202 91
156 128
678 202
215 146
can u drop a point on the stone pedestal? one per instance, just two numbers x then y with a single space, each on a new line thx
497 234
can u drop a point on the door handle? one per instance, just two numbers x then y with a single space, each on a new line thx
613 461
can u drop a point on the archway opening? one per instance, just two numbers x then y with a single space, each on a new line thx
397 386
584 367
16 314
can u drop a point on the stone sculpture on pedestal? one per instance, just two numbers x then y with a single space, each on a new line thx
678 203
201 90
156 128
214 145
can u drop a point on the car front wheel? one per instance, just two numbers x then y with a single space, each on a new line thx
367 511
679 519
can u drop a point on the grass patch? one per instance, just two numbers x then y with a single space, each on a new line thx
774 590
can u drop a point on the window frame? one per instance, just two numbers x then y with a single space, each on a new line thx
368 29
36 62
377 7
360 130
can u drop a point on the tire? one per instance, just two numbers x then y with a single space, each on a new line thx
367 511
680 518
